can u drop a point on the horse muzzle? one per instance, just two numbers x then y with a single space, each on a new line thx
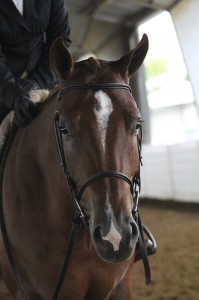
115 243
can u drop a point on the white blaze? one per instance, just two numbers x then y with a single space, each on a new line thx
103 110
114 237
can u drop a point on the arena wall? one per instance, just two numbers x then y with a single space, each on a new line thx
171 172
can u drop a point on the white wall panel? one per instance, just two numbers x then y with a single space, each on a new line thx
185 171
171 172
156 172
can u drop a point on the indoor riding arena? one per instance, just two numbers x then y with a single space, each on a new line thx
169 203
175 265
166 91
170 208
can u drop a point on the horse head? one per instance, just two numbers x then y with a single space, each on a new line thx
99 123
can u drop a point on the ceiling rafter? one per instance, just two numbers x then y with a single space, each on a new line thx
116 13
136 18
154 6
93 7
148 4
175 2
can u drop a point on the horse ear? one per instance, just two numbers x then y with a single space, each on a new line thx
60 59
131 62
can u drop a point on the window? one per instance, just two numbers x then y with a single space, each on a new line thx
173 112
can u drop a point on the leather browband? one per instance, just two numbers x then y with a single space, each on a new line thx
94 86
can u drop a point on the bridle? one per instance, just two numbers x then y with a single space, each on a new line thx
77 194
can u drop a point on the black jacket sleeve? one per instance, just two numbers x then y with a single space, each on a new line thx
9 89
42 76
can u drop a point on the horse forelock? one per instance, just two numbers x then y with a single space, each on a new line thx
94 64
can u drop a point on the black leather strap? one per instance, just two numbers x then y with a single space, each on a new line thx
94 86
69 250
142 246
102 175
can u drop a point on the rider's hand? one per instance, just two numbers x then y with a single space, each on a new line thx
13 97
24 111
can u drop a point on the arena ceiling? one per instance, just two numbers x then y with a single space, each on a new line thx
94 22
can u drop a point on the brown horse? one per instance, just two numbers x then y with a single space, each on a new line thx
99 128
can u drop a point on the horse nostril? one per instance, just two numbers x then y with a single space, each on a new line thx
134 229
97 233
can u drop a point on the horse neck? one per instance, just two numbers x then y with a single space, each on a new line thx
44 161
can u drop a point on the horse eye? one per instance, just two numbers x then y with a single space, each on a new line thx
64 131
137 128
138 125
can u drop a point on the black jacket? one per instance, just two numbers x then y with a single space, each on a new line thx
25 42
